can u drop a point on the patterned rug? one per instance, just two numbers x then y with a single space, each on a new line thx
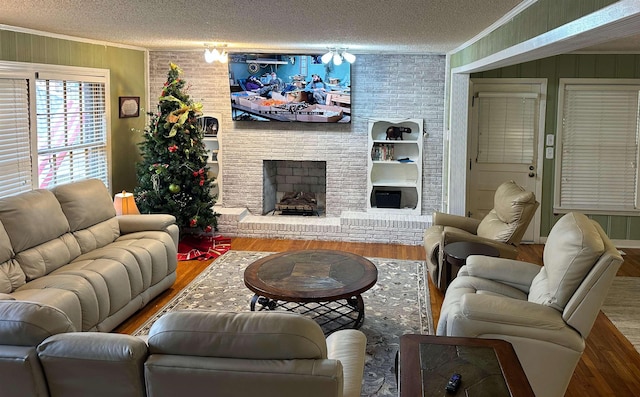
621 307
398 304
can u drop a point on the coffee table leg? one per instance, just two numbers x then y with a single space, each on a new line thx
265 302
358 305
252 305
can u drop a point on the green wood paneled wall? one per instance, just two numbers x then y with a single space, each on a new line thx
127 73
574 66
540 17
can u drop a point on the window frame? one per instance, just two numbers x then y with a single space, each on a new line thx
33 71
616 85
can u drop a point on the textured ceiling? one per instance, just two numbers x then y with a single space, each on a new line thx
400 26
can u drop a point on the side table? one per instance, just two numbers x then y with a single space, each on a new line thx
489 367
456 254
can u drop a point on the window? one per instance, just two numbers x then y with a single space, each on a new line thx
506 127
53 126
597 167
72 131
15 156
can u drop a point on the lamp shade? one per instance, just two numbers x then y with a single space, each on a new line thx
348 57
125 204
326 58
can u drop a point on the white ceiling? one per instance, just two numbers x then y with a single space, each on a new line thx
400 26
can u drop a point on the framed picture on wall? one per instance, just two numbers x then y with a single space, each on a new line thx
129 106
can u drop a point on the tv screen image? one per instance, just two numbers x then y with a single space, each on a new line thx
289 88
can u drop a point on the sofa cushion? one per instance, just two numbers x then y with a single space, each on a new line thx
98 235
573 247
11 274
510 204
32 218
48 256
86 293
85 203
29 323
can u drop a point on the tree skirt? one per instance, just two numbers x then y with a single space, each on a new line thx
202 247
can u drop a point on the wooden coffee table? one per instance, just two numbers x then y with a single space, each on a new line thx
489 367
324 284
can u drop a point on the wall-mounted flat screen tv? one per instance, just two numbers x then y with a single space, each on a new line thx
289 88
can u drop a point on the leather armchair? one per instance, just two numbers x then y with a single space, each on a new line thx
502 228
545 312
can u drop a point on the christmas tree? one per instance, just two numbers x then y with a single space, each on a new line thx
173 177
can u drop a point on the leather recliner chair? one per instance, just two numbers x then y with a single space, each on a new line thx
502 228
546 312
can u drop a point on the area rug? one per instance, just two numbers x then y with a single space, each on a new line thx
398 304
621 307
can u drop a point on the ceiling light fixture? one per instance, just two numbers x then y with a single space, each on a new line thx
337 56
211 56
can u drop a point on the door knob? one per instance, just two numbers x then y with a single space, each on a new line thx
531 175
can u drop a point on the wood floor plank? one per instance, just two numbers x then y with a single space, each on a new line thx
610 366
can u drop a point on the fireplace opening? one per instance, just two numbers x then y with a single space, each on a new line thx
294 187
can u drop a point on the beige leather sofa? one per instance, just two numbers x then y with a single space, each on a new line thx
502 228
66 248
267 354
545 312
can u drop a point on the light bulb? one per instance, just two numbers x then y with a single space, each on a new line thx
208 56
326 58
348 57
224 57
337 59
216 54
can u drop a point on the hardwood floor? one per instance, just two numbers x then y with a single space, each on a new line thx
610 366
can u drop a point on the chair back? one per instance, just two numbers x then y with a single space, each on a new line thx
240 354
582 309
580 262
513 209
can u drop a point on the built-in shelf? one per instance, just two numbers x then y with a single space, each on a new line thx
395 167
211 124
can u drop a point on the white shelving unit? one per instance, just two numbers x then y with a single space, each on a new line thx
212 143
395 186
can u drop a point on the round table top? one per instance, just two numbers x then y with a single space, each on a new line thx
460 250
310 275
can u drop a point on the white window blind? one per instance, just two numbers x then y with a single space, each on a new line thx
15 155
598 168
71 131
506 127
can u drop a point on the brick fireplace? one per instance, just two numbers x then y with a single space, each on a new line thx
284 176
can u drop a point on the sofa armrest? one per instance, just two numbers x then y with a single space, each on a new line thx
508 311
6 297
481 315
517 274
25 323
145 222
348 346
461 222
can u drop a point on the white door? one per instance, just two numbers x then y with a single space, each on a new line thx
507 126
